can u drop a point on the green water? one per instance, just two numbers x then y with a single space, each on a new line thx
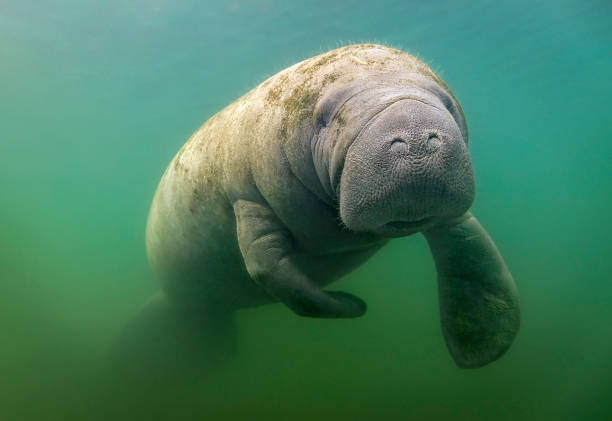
95 99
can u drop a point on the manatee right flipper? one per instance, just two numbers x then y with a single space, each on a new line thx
267 249
479 305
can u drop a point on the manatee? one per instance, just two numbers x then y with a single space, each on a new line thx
300 181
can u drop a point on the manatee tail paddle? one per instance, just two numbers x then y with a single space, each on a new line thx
165 344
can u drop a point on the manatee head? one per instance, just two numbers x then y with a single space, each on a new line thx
407 167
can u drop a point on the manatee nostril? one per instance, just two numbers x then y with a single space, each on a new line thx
433 142
399 145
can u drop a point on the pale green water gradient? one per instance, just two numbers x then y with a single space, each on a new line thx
96 97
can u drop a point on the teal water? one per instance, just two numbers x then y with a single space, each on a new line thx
96 98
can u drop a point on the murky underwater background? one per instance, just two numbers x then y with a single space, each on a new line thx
96 98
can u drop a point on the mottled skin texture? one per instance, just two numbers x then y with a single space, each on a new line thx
305 177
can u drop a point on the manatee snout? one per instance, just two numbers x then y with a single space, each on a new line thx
406 169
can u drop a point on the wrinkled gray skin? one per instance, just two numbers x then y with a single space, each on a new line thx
306 177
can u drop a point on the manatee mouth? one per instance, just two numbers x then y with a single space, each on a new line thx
403 228
405 225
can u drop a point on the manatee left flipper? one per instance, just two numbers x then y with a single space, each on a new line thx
268 254
479 307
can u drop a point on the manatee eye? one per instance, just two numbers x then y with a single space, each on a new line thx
399 145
